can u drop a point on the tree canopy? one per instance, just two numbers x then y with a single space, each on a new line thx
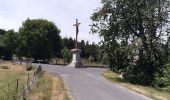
135 37
39 39
8 44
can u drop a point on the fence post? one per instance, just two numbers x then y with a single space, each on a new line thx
28 82
8 91
17 85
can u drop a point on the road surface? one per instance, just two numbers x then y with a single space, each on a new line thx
88 84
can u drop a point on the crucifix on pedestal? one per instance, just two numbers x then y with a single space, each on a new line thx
76 63
77 31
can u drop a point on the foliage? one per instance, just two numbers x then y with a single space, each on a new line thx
39 39
29 67
8 43
68 43
102 55
135 37
10 40
87 49
66 55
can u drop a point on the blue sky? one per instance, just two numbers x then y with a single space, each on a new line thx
62 12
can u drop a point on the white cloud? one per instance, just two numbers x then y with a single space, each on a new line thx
62 12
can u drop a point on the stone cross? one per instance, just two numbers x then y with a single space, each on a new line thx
77 31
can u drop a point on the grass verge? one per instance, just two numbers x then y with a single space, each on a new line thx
147 91
49 88
12 79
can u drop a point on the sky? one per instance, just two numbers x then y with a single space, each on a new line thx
62 12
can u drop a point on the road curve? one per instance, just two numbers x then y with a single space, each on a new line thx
87 84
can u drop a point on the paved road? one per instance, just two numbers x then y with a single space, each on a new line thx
87 84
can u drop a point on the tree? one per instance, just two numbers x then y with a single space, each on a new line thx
1 42
66 55
82 46
8 43
39 39
2 32
134 34
10 40
68 43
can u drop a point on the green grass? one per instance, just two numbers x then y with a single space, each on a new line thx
147 91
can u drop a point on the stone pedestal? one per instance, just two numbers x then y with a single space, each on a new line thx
76 59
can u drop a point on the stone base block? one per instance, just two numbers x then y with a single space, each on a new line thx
76 65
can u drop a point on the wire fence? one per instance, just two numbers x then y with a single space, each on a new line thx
18 89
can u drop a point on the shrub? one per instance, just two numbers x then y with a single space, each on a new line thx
29 67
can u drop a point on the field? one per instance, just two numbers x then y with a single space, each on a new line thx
13 78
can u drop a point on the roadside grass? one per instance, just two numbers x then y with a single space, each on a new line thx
49 88
43 89
10 74
147 91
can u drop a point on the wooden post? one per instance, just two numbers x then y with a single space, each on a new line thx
28 82
17 85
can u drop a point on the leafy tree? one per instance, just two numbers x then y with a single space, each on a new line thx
39 39
134 34
2 32
82 46
10 40
102 55
66 55
68 43
87 49
8 43
1 42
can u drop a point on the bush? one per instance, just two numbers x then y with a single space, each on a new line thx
161 82
29 67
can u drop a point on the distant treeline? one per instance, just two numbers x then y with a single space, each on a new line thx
87 49
40 39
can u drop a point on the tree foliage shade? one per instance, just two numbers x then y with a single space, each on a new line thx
135 37
8 44
66 55
39 38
